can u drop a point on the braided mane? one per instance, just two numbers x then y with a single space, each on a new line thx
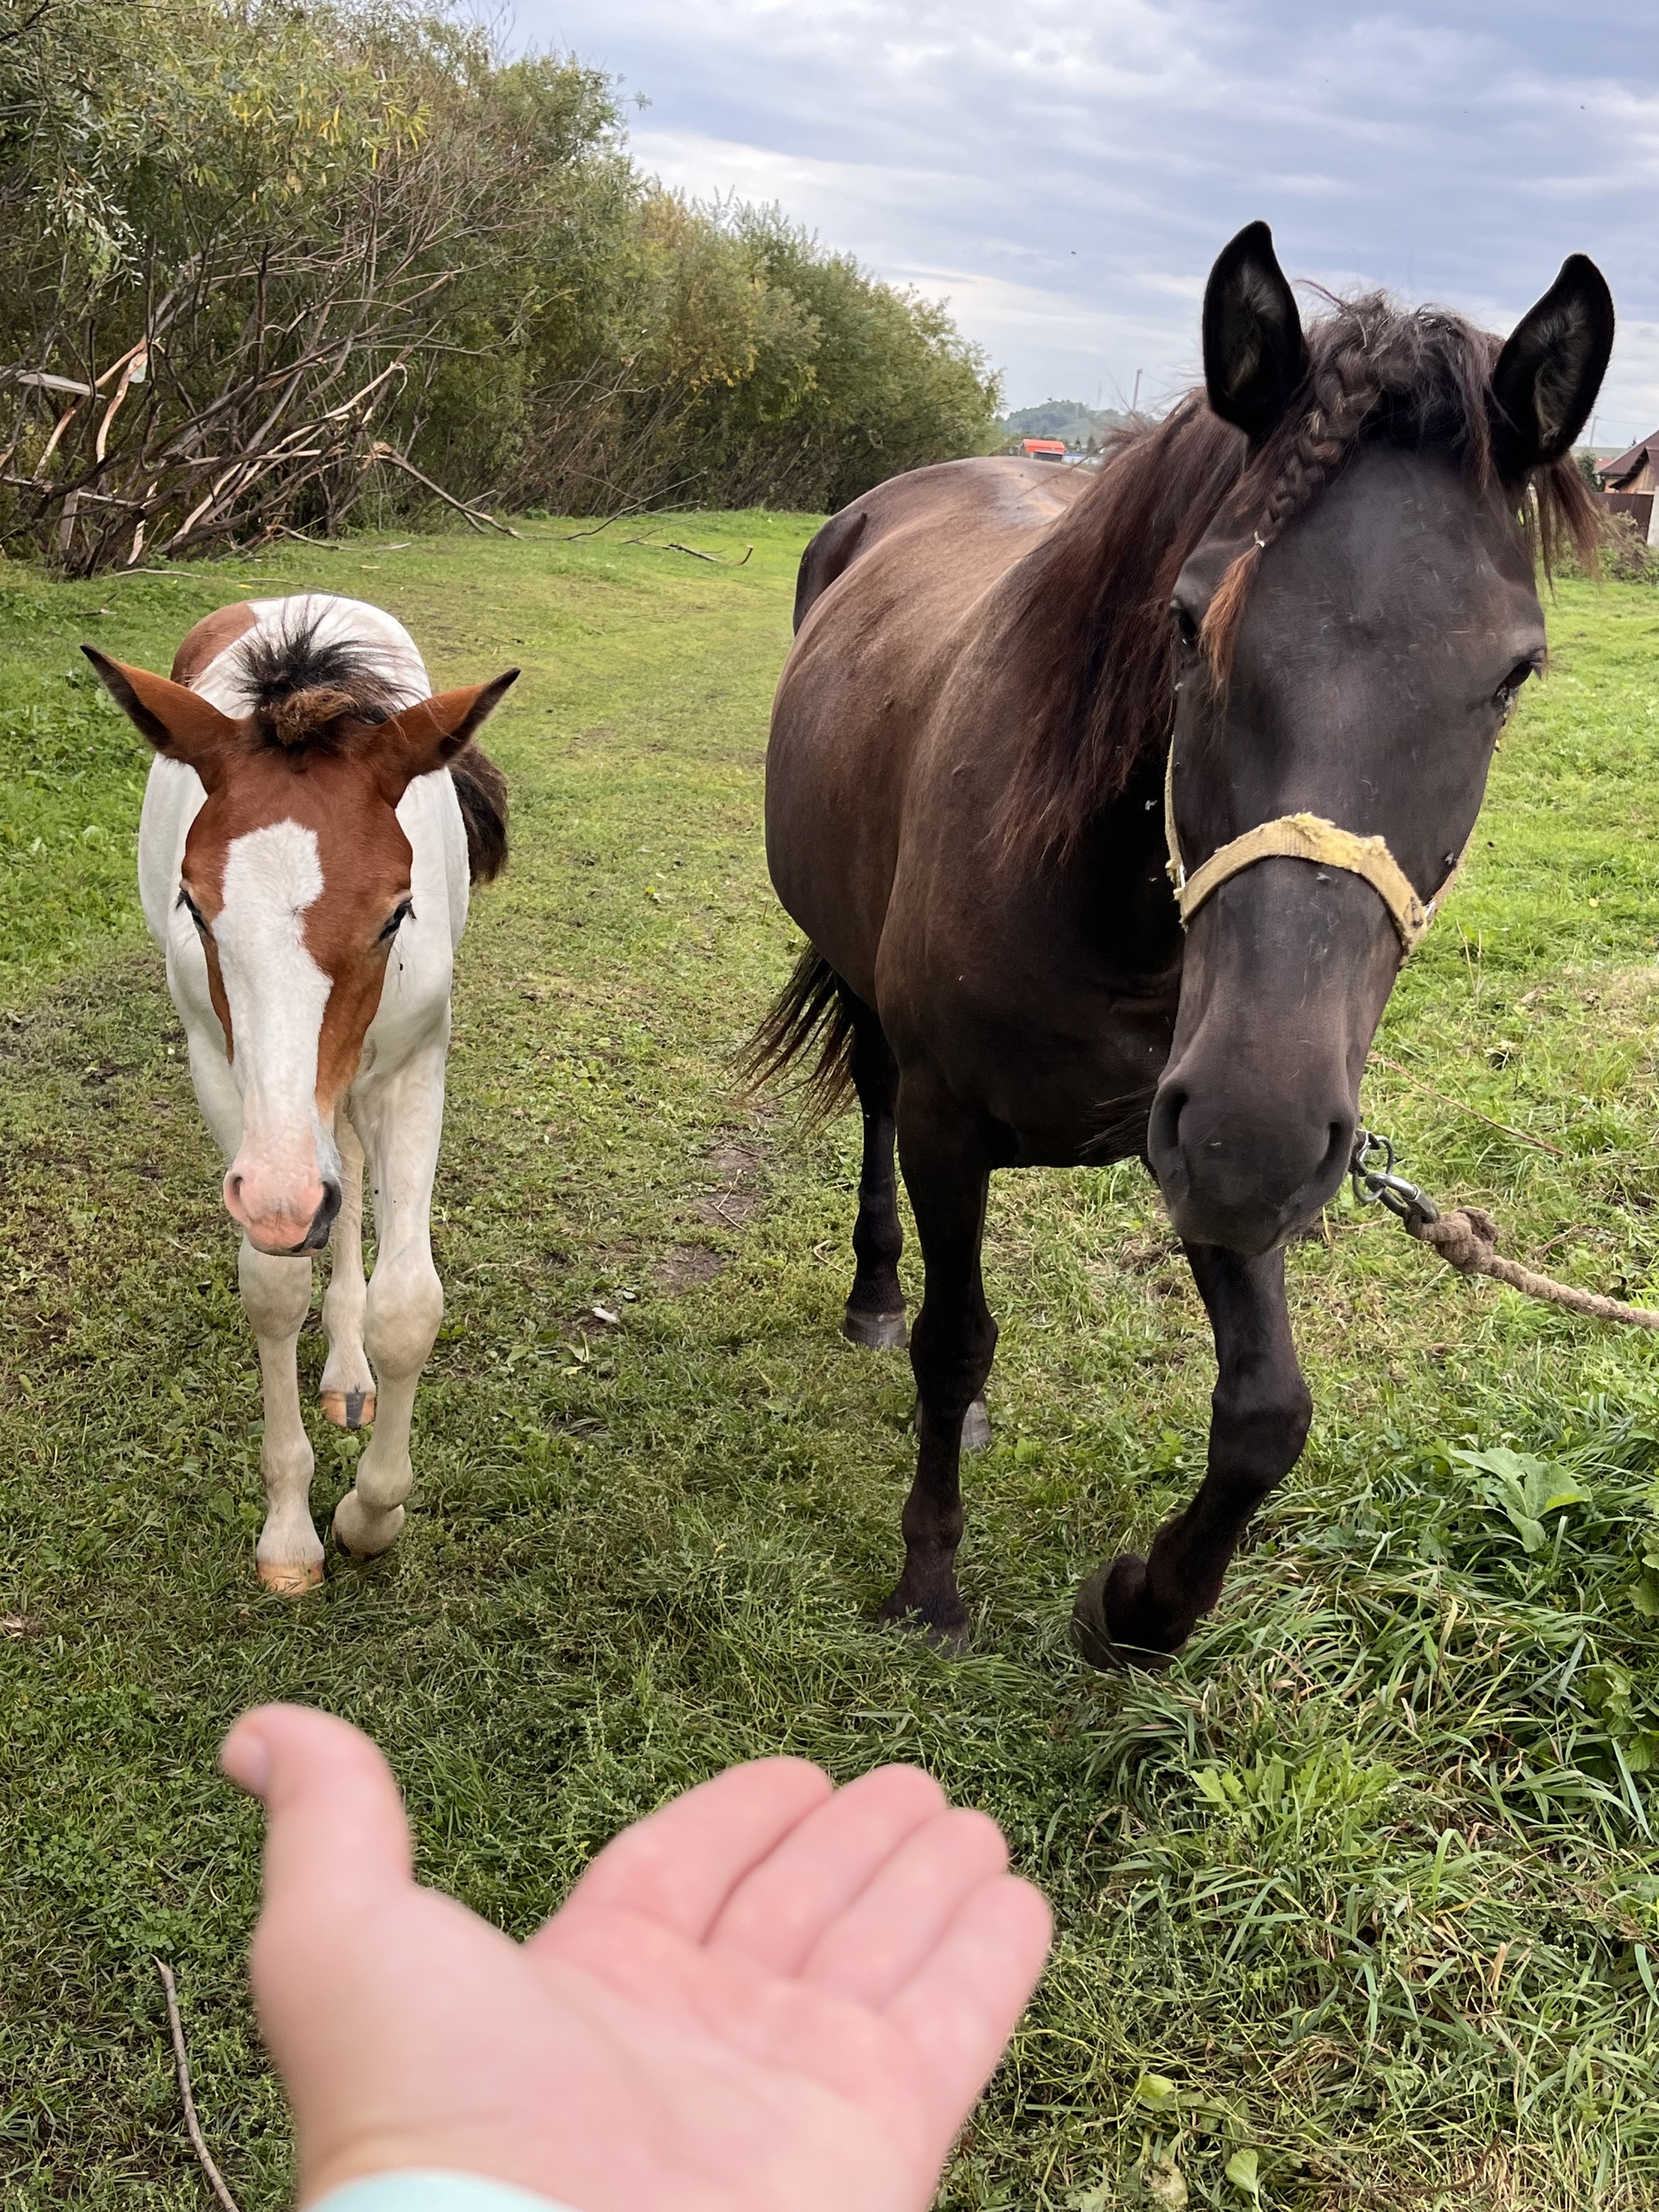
1103 580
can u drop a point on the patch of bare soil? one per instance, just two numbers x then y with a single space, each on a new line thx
684 1267
740 1167
1150 1249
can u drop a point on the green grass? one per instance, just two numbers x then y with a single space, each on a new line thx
1368 1886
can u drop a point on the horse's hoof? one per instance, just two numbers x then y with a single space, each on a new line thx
1094 1641
976 1427
946 1629
360 1532
876 1332
348 1409
290 1581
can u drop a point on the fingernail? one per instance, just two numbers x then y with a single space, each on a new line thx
245 1758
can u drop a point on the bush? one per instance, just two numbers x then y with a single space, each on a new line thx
259 257
1622 553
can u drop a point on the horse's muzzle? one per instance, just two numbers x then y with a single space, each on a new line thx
1245 1178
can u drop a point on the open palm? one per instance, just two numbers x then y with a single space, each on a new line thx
772 1994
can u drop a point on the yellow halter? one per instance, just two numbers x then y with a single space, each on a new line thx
1303 837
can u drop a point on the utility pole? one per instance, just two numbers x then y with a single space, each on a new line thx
1134 405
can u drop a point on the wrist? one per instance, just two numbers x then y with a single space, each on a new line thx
431 2189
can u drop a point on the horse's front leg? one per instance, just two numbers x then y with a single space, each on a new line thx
276 1297
952 1345
405 1301
347 1389
1260 1414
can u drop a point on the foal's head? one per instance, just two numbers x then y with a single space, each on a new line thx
296 878
1348 637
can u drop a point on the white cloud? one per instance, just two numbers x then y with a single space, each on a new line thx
1065 170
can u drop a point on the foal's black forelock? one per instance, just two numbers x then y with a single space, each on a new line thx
284 671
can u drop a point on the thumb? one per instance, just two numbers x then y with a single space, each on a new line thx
336 1833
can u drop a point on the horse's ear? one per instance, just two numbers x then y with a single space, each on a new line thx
1549 372
177 720
429 734
1255 356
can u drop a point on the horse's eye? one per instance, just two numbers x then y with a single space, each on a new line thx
1186 628
403 912
192 910
1504 698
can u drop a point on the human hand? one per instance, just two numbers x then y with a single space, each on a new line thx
771 1993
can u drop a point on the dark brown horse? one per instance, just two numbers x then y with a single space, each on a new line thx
1306 600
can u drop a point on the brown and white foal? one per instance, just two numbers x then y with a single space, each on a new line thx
312 825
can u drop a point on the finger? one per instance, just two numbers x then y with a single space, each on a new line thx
335 1823
960 2007
778 1911
872 1948
680 1866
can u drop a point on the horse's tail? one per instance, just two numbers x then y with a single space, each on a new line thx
814 1008
481 792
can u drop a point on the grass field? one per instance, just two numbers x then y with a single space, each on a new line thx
1359 1906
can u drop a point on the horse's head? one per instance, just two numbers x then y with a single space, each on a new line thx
1353 633
296 880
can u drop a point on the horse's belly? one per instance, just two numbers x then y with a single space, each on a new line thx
1078 1114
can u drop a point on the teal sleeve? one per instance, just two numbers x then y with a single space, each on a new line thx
433 2192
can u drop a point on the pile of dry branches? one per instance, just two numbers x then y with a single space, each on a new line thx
254 401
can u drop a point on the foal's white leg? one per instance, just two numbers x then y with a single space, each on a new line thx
402 1125
347 1389
275 1296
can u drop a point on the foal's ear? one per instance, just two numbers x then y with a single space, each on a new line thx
1548 374
1253 352
429 734
177 720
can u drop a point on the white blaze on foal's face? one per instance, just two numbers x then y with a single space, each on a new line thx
296 874
284 1180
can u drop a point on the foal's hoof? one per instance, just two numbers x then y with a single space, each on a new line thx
290 1581
1093 1638
362 1532
976 1427
876 1332
348 1409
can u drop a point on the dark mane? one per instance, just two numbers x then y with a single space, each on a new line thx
480 788
1103 578
304 693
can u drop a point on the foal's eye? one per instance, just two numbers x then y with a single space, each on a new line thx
192 910
403 912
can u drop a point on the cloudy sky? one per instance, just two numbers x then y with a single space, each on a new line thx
1064 174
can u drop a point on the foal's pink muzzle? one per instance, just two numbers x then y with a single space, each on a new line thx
280 1214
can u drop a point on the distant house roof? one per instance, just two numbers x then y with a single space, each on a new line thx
1613 473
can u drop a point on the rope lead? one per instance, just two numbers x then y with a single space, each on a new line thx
1466 1238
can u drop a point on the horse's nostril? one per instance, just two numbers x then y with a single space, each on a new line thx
323 1220
1164 1129
1338 1152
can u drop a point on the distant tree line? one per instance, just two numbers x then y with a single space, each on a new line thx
1080 426
263 260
